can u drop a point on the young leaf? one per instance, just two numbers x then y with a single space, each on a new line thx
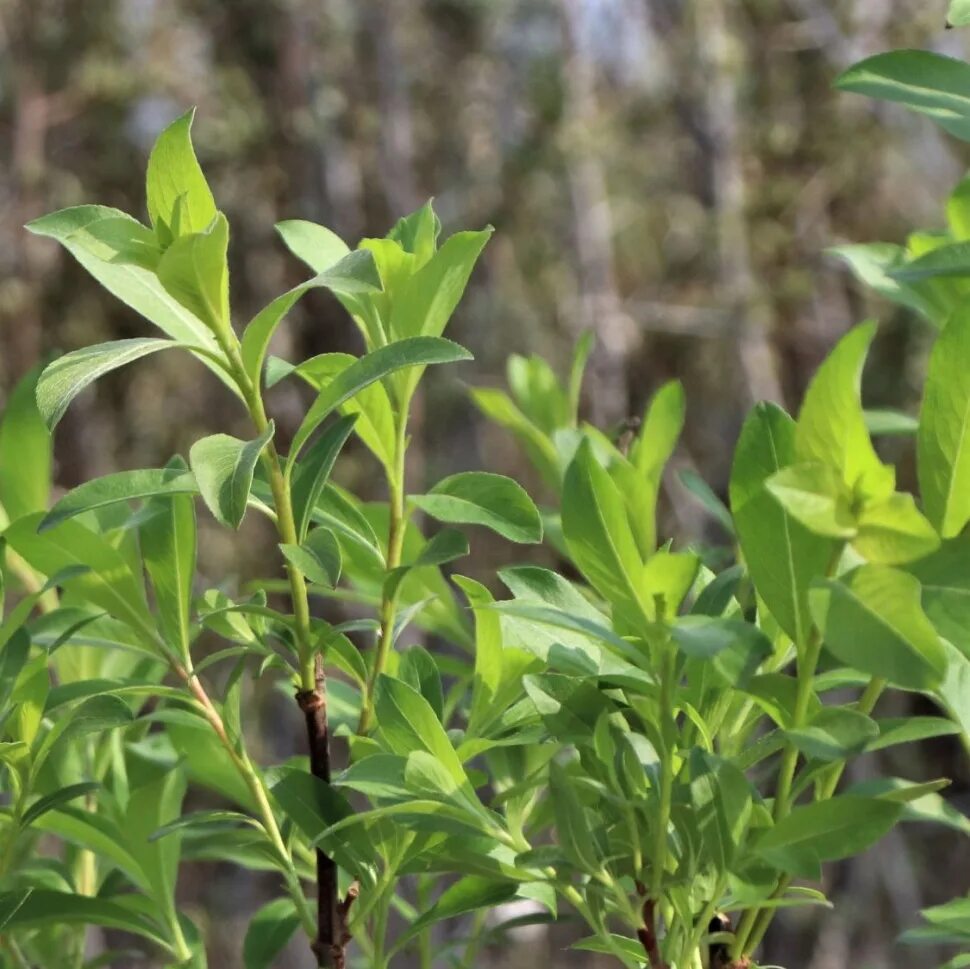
892 531
317 246
871 619
135 286
179 199
168 547
194 269
223 467
596 530
67 376
354 274
929 83
314 470
814 495
432 293
44 804
831 428
418 351
449 544
25 452
782 555
408 722
318 558
943 440
119 487
481 498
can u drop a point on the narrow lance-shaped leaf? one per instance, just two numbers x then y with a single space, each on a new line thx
119 487
782 556
194 269
831 427
168 546
99 572
928 83
179 199
25 452
872 620
943 440
67 376
481 498
353 275
223 466
77 229
314 470
417 351
596 529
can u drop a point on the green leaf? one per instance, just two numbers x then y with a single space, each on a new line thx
270 929
318 247
179 199
430 296
831 427
906 730
418 669
814 495
314 470
892 531
67 376
944 262
195 270
481 498
354 274
782 556
597 531
408 722
573 829
315 806
43 908
834 733
444 547
873 263
417 351
928 83
318 558
487 677
375 416
958 15
223 467
25 452
54 800
826 831
468 894
704 493
100 574
890 423
135 286
119 487
168 548
871 619
945 580
943 440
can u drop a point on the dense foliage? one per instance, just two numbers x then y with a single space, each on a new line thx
651 737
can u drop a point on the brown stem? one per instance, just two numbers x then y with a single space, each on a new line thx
647 935
332 934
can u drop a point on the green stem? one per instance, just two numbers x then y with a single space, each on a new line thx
757 928
257 788
397 524
668 729
424 938
807 663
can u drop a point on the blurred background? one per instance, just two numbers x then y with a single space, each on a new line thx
667 173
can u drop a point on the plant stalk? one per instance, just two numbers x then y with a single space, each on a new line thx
397 525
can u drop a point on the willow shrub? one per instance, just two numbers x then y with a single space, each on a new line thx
655 745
